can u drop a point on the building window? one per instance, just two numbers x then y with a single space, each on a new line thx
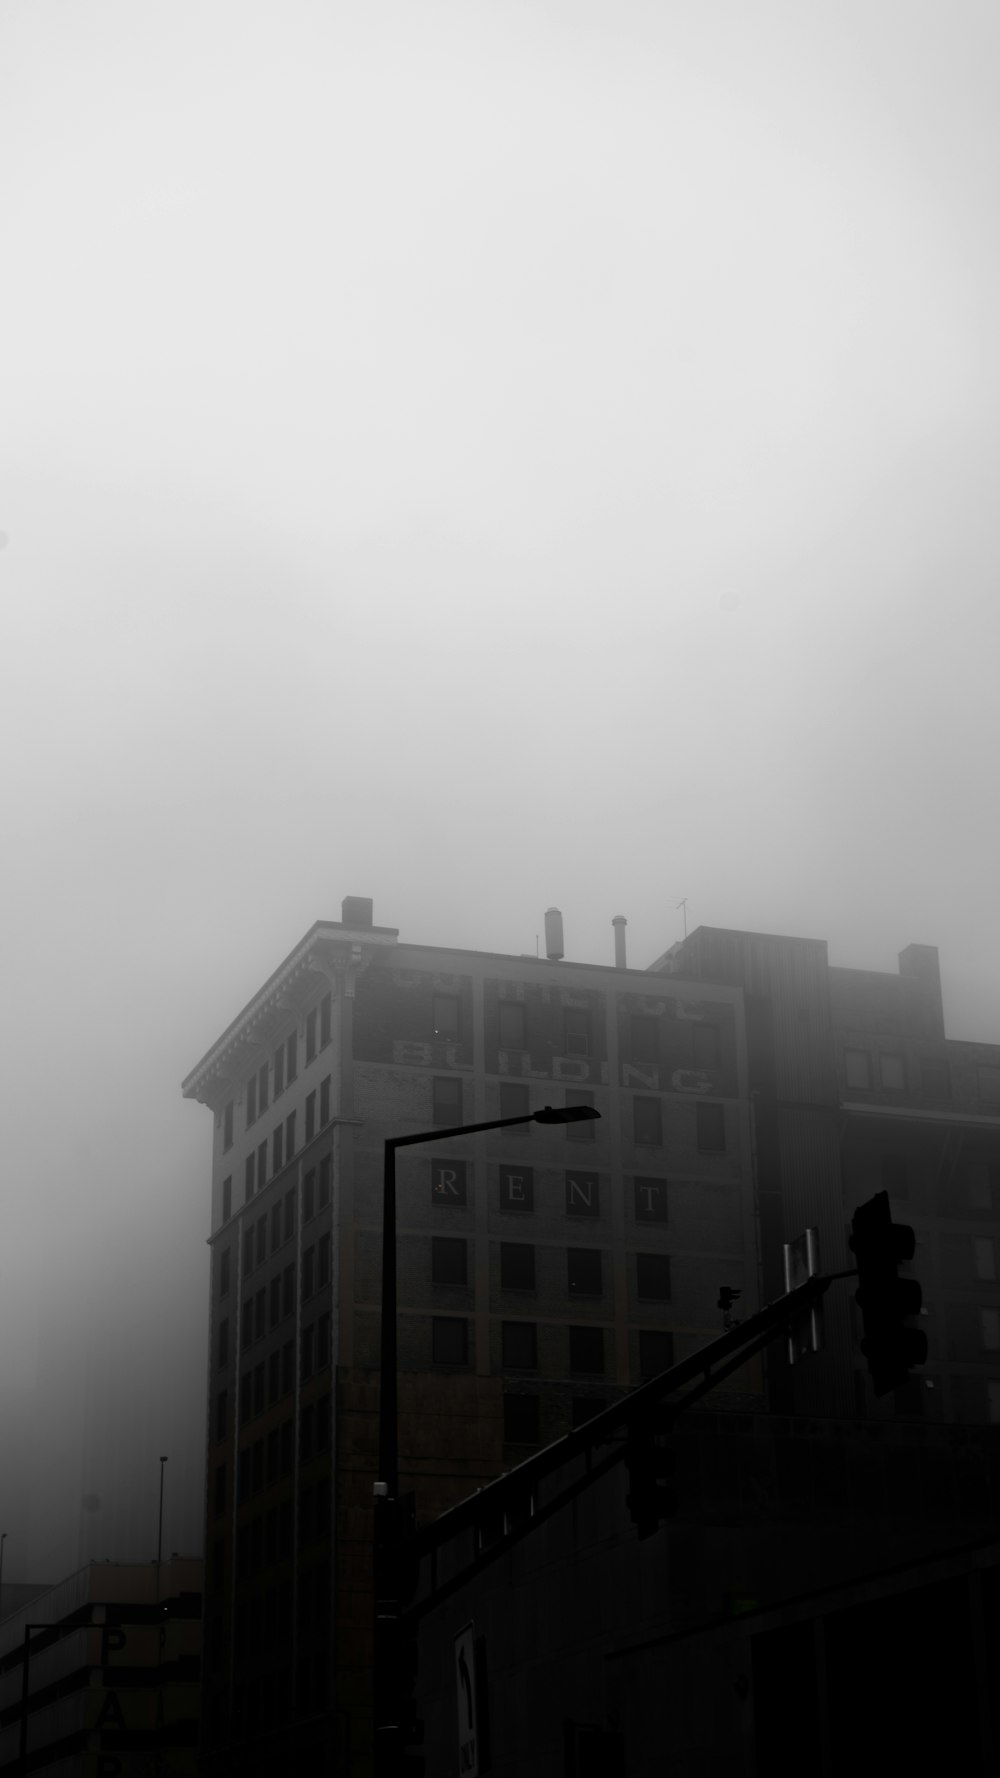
447 1101
583 1194
644 1032
706 1047
247 1251
893 1174
261 1166
325 1181
227 1126
308 1356
227 1198
584 1408
262 1089
656 1353
935 1081
246 1324
221 1413
576 1037
652 1272
310 1116
448 1184
521 1420
224 1272
647 1121
275 1227
279 1070
309 1197
511 1025
446 1015
980 1182
258 1389
288 1367
517 1266
520 1345
273 1368
515 1101
449 1340
517 1188
324 1327
586 1350
261 1233
586 1130
449 1260
311 1036
650 1200
989 1085
989 1330
891 1073
856 1070
308 1273
985 1259
260 1318
324 1100
288 1291
251 1100
248 1172
223 1352
323 1259
711 1126
289 1135
583 1271
275 1300
325 1012
278 1148
289 1213
292 1058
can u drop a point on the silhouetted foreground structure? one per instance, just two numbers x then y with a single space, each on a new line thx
826 1599
102 1674
746 1090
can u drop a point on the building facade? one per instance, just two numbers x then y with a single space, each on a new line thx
855 1088
541 1271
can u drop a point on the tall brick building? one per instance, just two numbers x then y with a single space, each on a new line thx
541 1271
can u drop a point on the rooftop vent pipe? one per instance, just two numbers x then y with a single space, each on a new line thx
553 935
619 923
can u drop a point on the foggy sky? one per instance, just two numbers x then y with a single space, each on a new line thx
479 456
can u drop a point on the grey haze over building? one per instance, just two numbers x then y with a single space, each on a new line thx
477 458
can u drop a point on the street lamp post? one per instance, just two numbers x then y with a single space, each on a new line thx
388 1746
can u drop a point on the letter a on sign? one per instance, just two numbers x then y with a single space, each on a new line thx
465 1678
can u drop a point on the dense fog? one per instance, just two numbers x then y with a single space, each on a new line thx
478 457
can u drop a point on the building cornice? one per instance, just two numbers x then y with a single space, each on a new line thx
329 950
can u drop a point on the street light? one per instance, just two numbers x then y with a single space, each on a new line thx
386 1527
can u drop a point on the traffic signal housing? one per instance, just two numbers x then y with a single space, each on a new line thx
650 1463
880 1247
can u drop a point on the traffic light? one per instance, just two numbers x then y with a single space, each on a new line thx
650 1463
880 1246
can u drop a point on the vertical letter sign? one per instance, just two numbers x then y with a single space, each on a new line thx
465 1679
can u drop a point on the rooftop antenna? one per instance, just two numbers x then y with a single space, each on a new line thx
684 904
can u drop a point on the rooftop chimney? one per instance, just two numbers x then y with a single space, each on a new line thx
553 935
619 923
356 910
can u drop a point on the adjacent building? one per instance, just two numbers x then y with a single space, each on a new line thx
101 1675
541 1271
